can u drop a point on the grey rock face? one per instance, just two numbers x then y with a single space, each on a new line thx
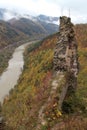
66 58
65 55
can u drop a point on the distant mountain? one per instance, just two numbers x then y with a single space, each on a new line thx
15 26
48 19
9 34
6 15
31 27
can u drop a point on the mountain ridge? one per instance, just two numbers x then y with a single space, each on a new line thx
7 15
25 25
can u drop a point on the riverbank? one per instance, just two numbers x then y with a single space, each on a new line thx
10 76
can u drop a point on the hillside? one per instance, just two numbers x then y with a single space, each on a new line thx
9 35
30 89
81 33
34 27
24 26
18 31
34 87
15 27
23 29
9 39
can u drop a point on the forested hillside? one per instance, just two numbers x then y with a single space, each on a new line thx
34 88
9 38
81 33
9 35
18 31
34 28
23 29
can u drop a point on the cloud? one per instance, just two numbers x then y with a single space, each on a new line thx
49 7
36 6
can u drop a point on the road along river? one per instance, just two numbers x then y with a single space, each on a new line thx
11 75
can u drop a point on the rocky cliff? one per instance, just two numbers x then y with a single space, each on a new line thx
66 58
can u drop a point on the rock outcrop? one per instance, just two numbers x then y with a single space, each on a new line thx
66 58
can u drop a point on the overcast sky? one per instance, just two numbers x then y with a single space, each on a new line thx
78 8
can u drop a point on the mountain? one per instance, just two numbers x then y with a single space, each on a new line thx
15 26
6 15
48 19
23 29
31 27
9 34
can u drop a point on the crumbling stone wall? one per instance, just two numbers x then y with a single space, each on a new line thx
66 58
65 55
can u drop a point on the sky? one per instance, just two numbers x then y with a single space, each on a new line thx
78 8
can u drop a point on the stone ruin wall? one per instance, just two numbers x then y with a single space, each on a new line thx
66 58
65 55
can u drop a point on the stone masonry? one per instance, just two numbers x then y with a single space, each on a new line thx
65 55
66 58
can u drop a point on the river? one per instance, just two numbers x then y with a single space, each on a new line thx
11 75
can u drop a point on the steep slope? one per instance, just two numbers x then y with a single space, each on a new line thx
82 29
34 27
33 90
49 27
81 33
23 29
9 35
33 86
27 26
19 31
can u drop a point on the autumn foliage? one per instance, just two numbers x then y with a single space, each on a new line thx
34 86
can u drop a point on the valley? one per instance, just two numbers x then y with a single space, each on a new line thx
43 74
33 89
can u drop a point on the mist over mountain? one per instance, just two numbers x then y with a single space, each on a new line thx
6 15
48 19
15 27
31 27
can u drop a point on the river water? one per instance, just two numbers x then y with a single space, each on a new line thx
11 75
